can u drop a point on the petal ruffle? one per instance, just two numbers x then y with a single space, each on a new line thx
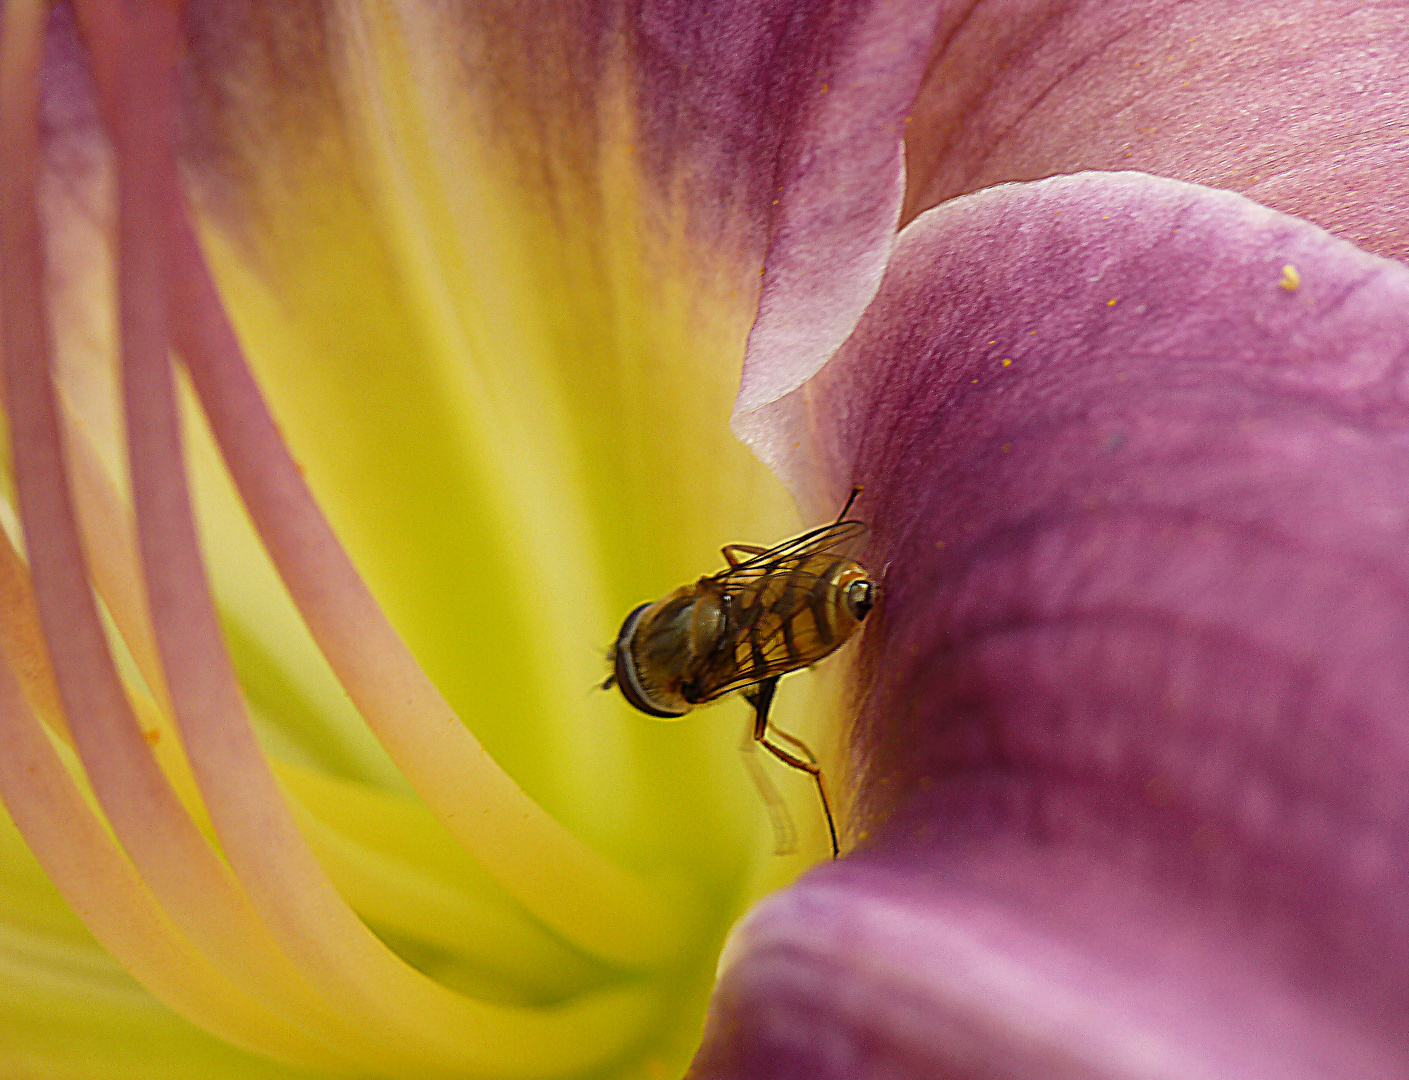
1130 748
1300 106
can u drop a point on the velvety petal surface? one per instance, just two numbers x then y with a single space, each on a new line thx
1302 105
1298 104
1131 754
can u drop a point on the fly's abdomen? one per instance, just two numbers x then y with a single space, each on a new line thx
664 648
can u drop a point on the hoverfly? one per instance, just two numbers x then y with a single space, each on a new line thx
769 612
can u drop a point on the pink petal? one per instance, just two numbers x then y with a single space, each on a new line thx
1131 751
1301 106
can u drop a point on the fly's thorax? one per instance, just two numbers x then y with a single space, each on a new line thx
662 646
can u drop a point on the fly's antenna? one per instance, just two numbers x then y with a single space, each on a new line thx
849 500
608 682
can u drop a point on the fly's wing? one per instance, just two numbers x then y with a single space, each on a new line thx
839 537
776 621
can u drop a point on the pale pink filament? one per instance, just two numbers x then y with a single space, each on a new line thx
194 886
413 721
101 886
22 640
320 967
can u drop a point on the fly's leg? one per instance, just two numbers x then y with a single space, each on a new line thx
815 770
795 742
762 701
784 831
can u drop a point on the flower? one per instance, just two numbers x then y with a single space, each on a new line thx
1101 425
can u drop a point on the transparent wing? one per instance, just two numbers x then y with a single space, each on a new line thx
790 554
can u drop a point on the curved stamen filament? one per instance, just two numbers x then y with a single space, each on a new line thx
418 1027
514 941
101 886
109 544
312 923
534 857
22 640
148 818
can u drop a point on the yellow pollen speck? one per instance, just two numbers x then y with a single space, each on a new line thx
939 545
994 341
777 201
825 87
152 735
1007 448
1291 280
1006 361
1105 217
1112 301
974 380
1032 331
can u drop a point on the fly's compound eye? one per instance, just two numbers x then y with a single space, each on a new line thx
861 598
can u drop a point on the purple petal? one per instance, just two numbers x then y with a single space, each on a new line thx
769 133
1299 105
1131 750
840 180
